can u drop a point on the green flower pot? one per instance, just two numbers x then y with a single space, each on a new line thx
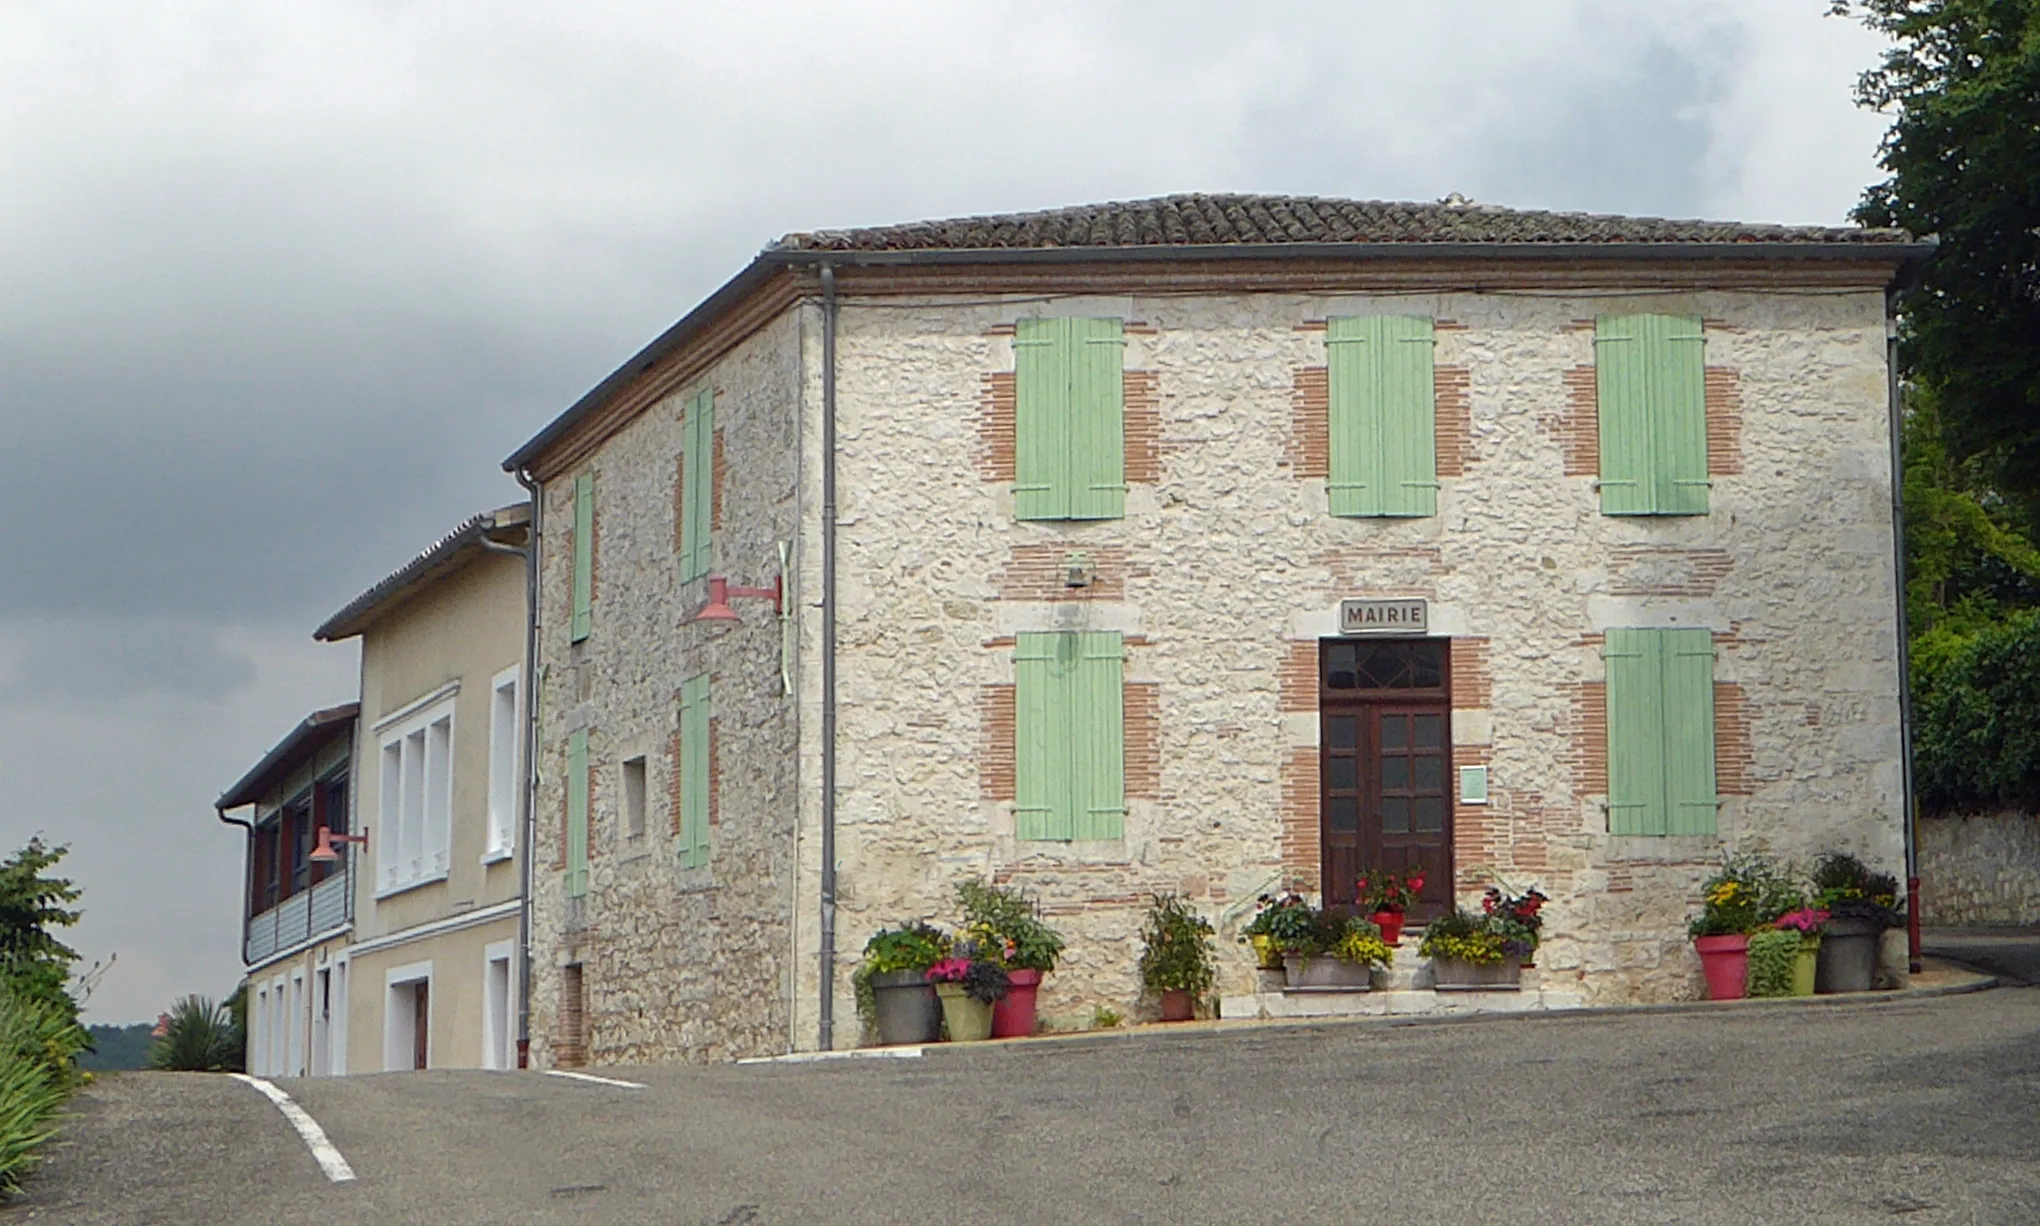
969 1020
1807 960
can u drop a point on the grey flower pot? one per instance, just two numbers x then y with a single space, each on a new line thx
1326 974
1453 975
1847 961
906 1008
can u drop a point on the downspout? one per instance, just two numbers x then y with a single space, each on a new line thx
247 875
1905 762
533 535
827 1000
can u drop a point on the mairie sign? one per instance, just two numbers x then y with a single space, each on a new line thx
1384 616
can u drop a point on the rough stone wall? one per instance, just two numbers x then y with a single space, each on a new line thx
1980 868
1226 561
675 964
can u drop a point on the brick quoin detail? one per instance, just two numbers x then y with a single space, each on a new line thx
1472 681
1724 422
1300 816
560 855
570 1049
673 781
1036 572
996 727
1451 389
998 401
714 775
1654 570
1297 678
1587 755
679 502
1578 427
594 807
718 467
1309 447
1143 427
1143 739
1733 753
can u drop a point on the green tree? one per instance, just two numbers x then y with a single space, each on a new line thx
1963 156
33 905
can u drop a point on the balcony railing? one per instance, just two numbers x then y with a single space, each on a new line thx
325 908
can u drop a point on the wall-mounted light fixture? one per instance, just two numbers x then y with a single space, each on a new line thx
324 853
720 593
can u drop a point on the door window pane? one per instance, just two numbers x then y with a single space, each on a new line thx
1430 730
1395 731
1339 667
1395 774
1395 816
1342 731
1430 774
1342 774
1342 814
1430 814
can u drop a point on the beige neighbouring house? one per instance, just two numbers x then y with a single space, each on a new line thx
431 965
1195 544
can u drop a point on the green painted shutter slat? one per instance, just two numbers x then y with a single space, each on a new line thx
1688 663
697 438
694 768
1650 380
1636 738
1041 412
1098 736
1383 405
584 556
577 814
1097 435
1041 794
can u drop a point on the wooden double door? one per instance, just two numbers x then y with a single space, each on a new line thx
1385 766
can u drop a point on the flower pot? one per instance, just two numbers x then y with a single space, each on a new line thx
1803 966
1178 1005
1266 955
969 1019
1726 959
1454 975
906 1008
1848 955
1013 1013
1390 923
1323 973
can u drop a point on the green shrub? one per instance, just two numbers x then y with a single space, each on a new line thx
200 1037
1459 935
1177 953
39 1046
1976 718
1773 955
1005 916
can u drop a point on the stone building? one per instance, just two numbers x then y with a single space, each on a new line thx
1195 544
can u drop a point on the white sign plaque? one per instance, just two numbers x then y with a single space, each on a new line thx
1384 616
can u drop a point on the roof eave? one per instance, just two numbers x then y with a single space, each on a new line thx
445 556
312 734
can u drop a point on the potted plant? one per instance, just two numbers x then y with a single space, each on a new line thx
1773 955
1004 921
1720 933
1341 956
1860 904
1468 953
1805 923
968 982
894 998
1517 918
1276 918
1387 898
1177 959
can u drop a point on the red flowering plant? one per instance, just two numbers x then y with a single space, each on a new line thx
979 972
1379 891
1516 918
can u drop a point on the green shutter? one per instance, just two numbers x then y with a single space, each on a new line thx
1383 426
697 438
1069 730
1651 384
577 814
694 768
1689 730
1098 737
1660 732
1041 798
584 555
1069 419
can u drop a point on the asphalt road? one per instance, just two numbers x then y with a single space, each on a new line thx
1921 1111
2013 953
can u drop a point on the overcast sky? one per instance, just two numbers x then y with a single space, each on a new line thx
281 284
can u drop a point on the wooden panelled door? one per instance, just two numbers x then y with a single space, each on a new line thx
1384 765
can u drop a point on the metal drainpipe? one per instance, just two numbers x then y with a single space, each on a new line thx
1905 763
536 490
827 1036
248 876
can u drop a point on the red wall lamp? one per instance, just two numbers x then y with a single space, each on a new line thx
324 853
720 593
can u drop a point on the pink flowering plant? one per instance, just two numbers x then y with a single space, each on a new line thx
1807 921
976 969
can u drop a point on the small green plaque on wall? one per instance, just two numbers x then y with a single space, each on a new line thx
1473 785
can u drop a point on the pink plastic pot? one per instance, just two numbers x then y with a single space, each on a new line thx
1727 963
1013 1015
1390 923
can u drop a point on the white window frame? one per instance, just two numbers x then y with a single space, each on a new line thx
399 1028
496 997
300 1020
337 1041
414 763
506 757
258 1031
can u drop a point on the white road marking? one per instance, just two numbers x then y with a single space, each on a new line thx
328 1158
606 1081
854 1053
